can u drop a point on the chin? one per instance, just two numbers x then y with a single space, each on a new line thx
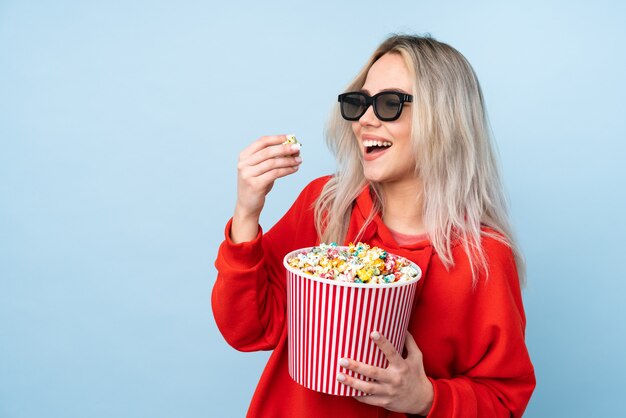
374 176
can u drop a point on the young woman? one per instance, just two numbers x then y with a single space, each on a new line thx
416 176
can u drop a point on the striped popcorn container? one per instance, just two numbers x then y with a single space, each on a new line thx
328 320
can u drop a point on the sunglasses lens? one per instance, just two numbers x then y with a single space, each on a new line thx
388 106
353 106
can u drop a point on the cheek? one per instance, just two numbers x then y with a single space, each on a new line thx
403 132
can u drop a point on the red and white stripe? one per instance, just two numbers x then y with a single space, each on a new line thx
329 321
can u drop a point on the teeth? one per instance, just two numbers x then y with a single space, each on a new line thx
372 143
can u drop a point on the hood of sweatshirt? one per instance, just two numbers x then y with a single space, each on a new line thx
377 234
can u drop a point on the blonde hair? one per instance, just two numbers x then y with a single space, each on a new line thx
453 153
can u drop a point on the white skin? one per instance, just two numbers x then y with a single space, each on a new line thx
403 385
260 164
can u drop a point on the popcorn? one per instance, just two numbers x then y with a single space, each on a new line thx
291 139
356 263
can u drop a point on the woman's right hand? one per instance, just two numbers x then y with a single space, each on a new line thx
260 164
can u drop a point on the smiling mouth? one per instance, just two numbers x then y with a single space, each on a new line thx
375 146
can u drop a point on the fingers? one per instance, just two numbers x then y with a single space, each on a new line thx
402 386
266 154
272 164
386 347
366 370
277 173
263 142
270 146
369 371
371 388
270 152
411 346
265 160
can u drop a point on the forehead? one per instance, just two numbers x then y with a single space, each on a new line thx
388 72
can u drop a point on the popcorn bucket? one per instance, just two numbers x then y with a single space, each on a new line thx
328 320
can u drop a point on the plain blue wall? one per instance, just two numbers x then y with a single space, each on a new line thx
120 126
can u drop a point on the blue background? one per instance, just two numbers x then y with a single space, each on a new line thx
120 127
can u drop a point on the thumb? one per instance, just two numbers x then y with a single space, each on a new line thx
411 347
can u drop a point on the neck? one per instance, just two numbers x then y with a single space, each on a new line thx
403 211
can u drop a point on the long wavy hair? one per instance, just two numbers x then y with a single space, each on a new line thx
453 152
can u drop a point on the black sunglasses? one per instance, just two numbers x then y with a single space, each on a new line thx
387 104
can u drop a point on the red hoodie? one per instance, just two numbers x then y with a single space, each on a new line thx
471 337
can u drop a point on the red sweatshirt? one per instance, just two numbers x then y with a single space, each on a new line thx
471 337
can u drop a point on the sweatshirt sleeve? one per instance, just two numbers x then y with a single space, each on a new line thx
249 295
493 375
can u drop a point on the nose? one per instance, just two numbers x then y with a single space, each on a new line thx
369 118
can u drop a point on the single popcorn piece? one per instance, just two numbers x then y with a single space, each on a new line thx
291 139
357 263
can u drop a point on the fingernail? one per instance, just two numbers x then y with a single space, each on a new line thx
341 377
298 159
343 362
375 335
295 147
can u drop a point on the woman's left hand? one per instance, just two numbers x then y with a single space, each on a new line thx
401 387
